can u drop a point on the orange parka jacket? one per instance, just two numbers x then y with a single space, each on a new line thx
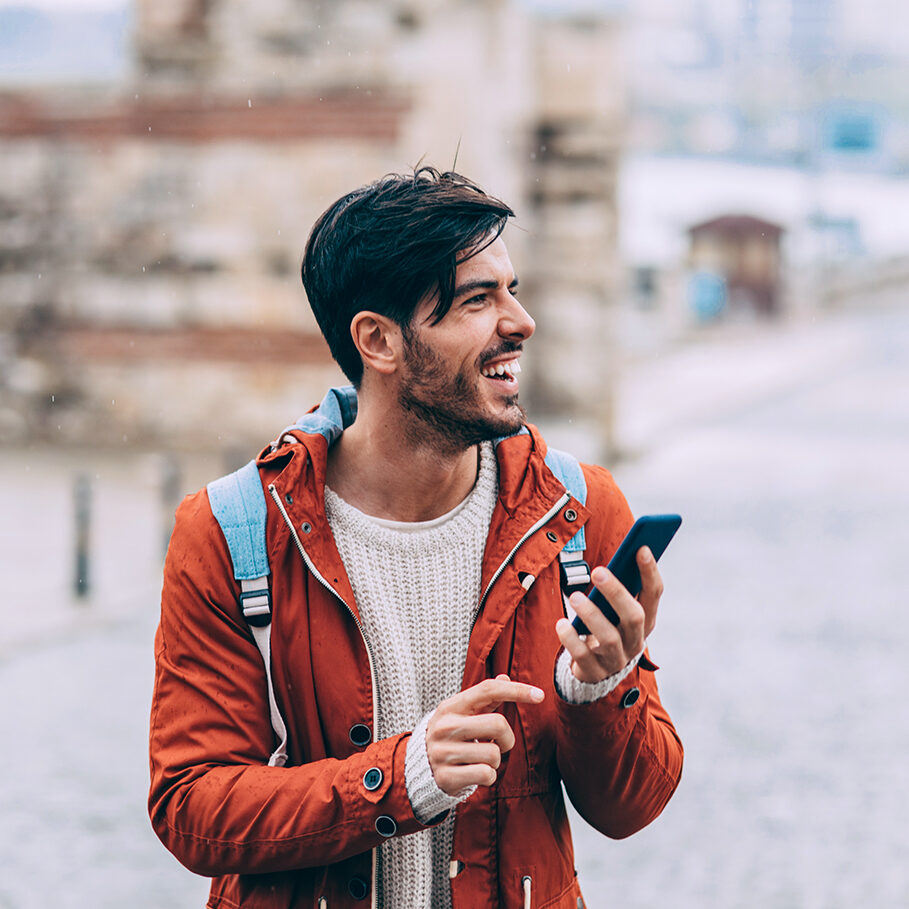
305 835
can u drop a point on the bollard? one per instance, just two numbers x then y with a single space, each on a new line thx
82 494
171 482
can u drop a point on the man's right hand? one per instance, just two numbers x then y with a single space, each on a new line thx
466 738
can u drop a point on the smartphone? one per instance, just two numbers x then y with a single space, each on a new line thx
653 530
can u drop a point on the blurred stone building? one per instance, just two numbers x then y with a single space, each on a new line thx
151 232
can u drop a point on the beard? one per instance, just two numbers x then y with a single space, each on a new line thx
448 408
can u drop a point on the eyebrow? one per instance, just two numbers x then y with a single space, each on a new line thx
481 284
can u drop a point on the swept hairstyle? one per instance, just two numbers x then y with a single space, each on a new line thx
388 245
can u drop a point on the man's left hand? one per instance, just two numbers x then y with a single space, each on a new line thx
609 648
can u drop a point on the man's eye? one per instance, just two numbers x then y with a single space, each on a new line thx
478 300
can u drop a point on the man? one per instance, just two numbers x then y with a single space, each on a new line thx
434 695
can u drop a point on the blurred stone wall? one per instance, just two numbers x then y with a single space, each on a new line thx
151 233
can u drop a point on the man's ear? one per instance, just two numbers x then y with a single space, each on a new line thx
378 340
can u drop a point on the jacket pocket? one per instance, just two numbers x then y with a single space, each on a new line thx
534 841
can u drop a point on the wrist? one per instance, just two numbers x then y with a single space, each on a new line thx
575 691
427 800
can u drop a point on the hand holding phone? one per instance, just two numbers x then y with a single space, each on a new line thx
654 531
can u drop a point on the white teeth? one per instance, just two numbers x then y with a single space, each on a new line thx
512 369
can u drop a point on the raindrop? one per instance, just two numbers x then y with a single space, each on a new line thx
249 102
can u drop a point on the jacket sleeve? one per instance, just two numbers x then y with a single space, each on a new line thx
213 800
620 757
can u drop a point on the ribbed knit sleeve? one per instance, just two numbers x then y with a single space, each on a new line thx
571 689
426 798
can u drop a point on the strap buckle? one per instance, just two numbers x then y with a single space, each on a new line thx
256 605
574 572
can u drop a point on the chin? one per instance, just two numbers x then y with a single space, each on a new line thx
510 419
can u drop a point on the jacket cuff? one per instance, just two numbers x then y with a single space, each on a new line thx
427 800
572 690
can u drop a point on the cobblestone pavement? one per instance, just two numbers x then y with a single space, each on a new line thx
782 641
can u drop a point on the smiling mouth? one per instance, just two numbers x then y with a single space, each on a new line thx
504 371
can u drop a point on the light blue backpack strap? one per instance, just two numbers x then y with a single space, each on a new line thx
336 412
238 504
567 468
573 568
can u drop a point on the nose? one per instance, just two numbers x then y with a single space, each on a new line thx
515 321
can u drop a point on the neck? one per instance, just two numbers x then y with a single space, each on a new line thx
385 469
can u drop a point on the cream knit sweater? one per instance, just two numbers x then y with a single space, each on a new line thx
417 586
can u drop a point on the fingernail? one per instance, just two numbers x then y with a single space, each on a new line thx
536 693
598 575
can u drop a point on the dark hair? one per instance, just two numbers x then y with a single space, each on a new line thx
387 245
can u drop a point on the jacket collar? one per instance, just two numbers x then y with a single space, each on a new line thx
338 410
523 474
527 490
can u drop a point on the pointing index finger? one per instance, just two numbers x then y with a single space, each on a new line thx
492 693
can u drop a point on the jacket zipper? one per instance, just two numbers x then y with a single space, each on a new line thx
372 674
540 523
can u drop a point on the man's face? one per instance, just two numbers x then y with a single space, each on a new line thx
460 376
